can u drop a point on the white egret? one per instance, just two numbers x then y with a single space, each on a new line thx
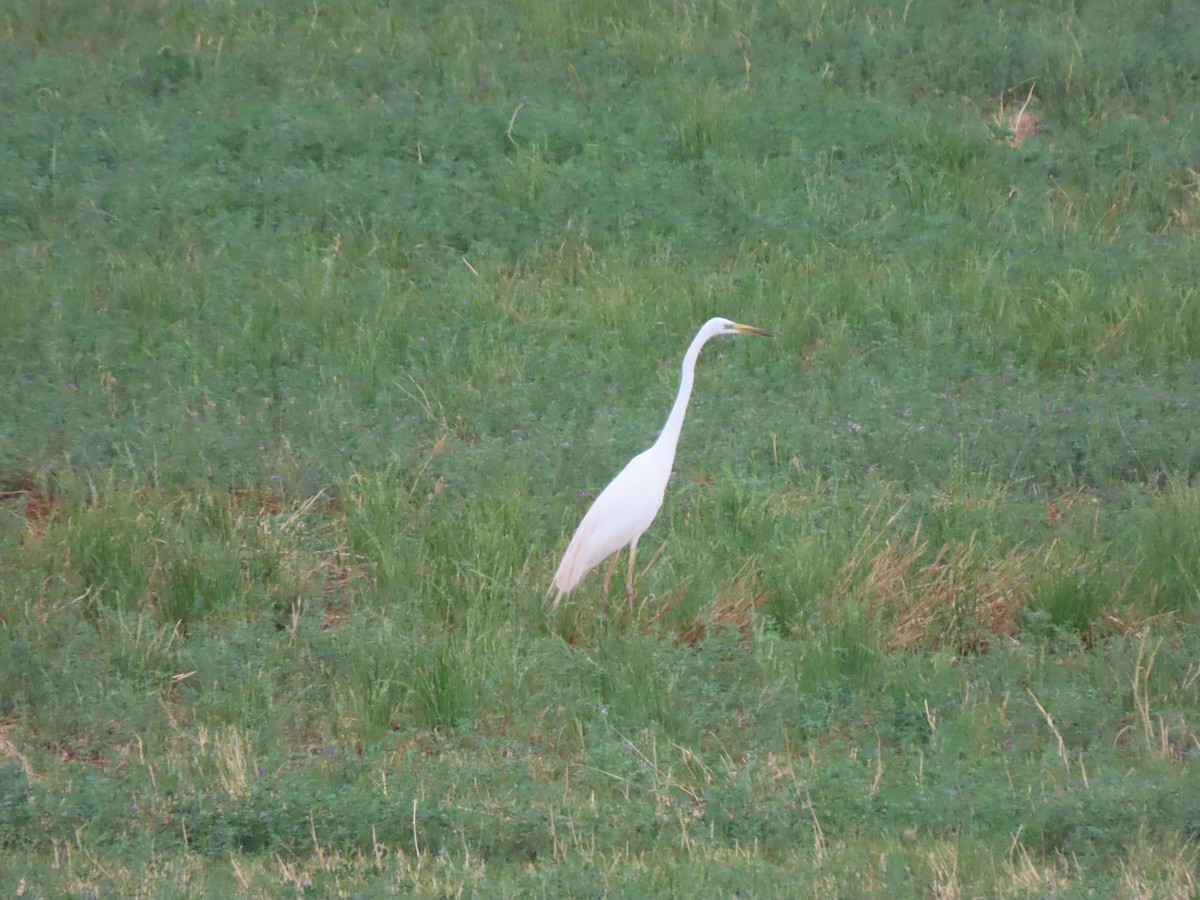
625 509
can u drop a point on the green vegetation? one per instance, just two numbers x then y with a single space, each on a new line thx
322 323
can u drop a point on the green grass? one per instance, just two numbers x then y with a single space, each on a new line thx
322 324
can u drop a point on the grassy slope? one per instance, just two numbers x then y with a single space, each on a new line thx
321 326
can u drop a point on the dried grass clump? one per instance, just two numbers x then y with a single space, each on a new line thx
332 573
961 597
733 607
337 573
1015 119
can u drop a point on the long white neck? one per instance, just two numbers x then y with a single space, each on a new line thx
668 440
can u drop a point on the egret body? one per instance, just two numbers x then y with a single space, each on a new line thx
625 509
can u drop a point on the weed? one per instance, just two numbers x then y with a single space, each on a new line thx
1168 577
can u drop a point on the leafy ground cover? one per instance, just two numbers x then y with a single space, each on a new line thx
321 325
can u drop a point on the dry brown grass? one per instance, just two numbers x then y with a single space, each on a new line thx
330 572
8 750
1160 867
24 501
962 596
1187 214
733 607
1015 119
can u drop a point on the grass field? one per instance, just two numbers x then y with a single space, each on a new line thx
322 324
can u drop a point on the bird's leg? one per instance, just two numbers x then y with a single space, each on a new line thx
608 576
629 593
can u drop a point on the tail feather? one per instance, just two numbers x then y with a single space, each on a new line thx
573 567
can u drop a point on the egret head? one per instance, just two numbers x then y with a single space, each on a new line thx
725 326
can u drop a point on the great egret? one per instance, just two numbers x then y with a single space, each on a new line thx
625 509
